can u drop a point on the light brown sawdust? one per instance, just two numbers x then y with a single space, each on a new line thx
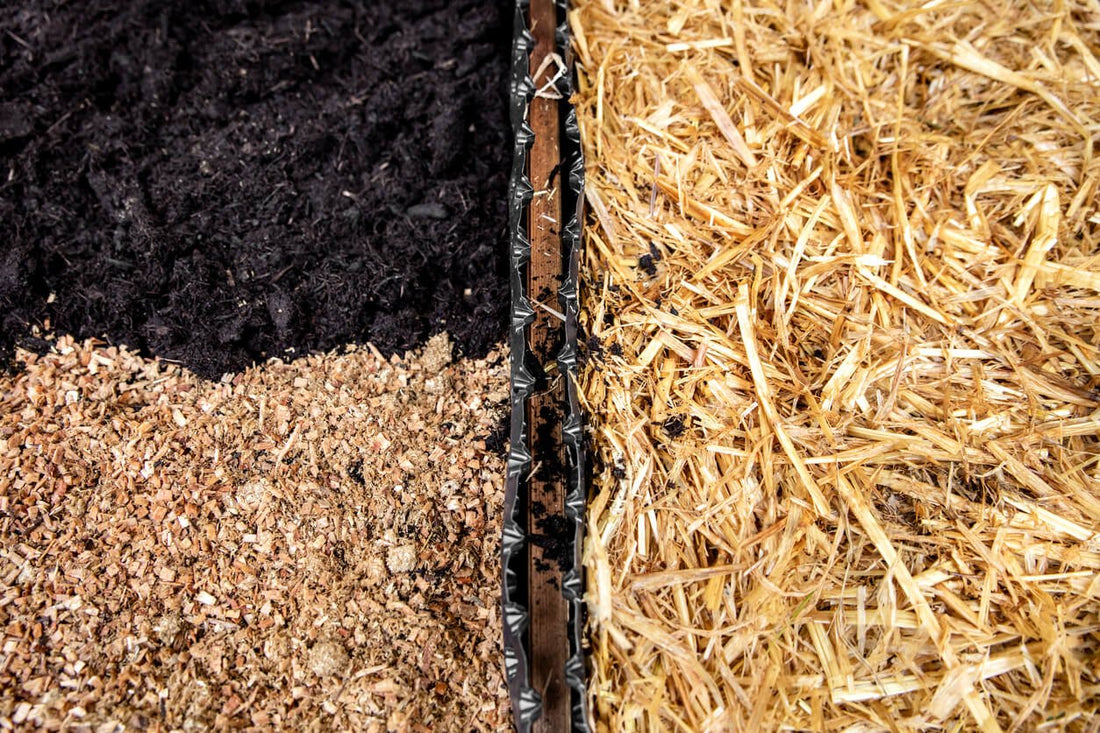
841 286
311 545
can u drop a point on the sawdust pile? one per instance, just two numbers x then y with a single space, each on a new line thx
309 545
843 315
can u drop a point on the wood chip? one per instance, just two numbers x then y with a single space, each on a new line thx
188 555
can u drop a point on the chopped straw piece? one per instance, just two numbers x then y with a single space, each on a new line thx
843 321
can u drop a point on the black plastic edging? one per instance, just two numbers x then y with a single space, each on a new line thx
526 702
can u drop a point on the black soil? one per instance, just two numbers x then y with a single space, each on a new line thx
219 181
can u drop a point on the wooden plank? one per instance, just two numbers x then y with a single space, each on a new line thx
548 630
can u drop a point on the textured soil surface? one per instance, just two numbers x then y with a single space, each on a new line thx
219 181
304 546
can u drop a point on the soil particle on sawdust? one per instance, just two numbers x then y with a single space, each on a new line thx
311 545
219 181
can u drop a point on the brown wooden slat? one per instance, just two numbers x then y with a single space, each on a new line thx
548 630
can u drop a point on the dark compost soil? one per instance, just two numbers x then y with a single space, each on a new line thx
219 181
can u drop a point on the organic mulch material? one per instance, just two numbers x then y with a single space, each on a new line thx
309 545
220 181
843 314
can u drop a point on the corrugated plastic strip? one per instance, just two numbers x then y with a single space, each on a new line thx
526 702
573 427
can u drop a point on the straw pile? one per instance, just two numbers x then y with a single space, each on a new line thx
842 305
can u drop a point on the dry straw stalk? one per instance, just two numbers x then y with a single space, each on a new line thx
843 296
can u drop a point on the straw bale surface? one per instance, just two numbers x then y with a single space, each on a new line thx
303 546
843 315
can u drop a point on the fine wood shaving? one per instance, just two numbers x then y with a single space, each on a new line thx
303 546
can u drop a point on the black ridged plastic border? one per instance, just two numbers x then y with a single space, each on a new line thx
526 702
576 498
